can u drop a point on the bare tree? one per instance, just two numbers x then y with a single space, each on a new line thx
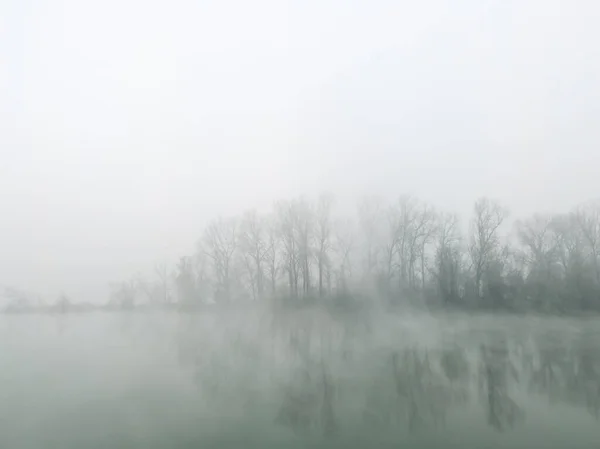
344 243
304 233
370 215
569 242
249 272
393 240
323 238
161 271
286 221
220 243
408 235
123 294
254 247
184 281
202 268
588 219
272 252
401 247
554 265
447 256
484 239
420 235
21 299
539 242
148 288
540 252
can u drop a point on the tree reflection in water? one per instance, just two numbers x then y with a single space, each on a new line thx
566 369
325 384
496 371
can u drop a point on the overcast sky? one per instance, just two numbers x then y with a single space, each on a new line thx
125 124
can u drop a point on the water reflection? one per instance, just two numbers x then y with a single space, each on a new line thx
496 372
567 371
326 382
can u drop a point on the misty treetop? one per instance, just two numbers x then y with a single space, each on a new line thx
406 251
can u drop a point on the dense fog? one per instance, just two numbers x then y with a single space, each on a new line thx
292 329
249 378
302 223
406 253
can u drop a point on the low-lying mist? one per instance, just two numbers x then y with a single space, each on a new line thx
299 224
309 376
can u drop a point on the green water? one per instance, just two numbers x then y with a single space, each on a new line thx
170 381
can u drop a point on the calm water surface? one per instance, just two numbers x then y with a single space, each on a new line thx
247 380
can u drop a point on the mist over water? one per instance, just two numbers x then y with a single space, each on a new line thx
299 224
256 379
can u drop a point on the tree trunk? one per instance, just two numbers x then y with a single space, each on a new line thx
423 268
321 293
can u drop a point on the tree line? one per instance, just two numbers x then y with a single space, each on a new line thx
398 252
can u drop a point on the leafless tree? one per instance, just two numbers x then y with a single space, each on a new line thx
569 242
123 294
323 238
539 242
588 219
161 271
304 233
184 281
286 225
148 288
420 235
18 298
554 264
447 256
272 256
343 245
220 242
202 267
401 245
408 237
393 240
484 239
370 215
254 246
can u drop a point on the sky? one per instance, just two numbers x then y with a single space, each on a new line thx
126 124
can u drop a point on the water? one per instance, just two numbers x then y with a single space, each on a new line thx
157 380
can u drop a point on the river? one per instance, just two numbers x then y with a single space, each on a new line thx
165 380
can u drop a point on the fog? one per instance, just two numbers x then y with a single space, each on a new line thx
244 380
168 166
125 126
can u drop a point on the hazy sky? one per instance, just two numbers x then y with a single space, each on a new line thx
125 124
